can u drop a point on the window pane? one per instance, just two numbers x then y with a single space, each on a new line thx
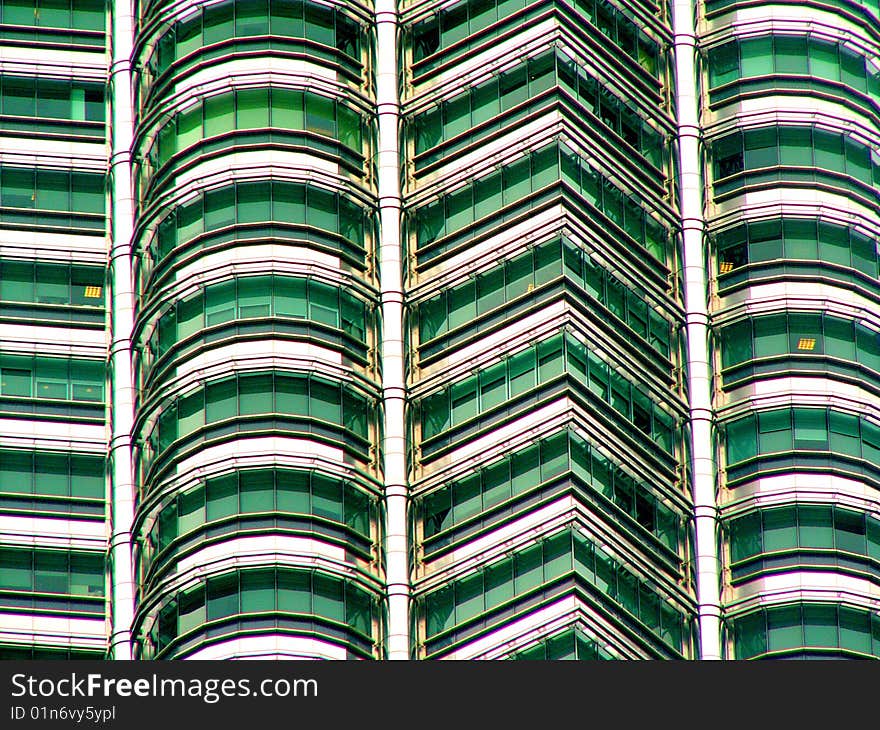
844 433
820 627
190 510
222 497
521 371
761 148
223 597
50 475
815 528
257 590
320 117
741 440
779 529
810 429
252 109
723 64
220 401
325 402
220 303
324 303
294 592
327 497
291 396
328 601
293 491
51 572
290 297
257 490
849 532
254 296
255 394
774 431
791 54
219 114
253 203
745 536
855 631
493 386
784 629
757 57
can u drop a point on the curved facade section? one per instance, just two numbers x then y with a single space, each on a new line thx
258 419
792 131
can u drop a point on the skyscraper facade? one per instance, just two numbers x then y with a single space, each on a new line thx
489 329
54 396
790 128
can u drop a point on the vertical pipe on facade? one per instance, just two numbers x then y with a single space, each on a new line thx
391 285
699 372
122 318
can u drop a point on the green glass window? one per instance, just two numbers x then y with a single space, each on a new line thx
246 109
78 476
294 592
51 283
190 510
472 108
260 296
791 54
810 429
532 567
518 181
527 469
82 15
569 645
260 394
816 628
454 25
222 597
220 401
299 211
756 59
55 191
844 433
741 440
774 431
805 239
51 378
524 374
59 572
219 113
814 525
784 629
824 155
46 99
252 19
222 498
810 433
724 64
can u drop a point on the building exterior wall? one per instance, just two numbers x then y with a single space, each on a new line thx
53 256
791 131
545 324
475 330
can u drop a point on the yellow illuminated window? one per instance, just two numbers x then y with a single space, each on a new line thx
806 343
726 267
93 292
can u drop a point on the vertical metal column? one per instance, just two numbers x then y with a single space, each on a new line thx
121 392
391 284
699 372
